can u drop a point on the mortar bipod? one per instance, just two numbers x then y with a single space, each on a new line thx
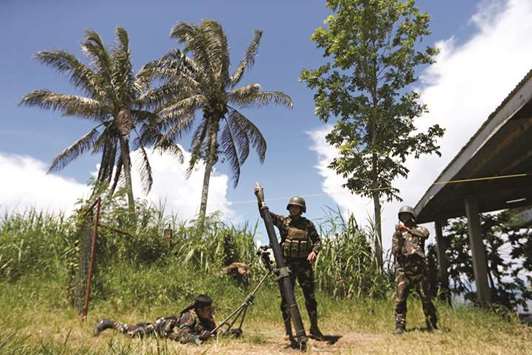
239 312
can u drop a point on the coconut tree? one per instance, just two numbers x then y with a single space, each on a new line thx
207 86
114 98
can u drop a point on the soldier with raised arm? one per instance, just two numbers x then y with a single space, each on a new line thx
300 243
408 248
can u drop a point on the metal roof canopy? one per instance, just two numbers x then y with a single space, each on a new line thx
502 147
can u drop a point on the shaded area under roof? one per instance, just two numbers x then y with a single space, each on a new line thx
501 148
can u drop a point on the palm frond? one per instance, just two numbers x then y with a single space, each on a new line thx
144 168
122 39
164 144
160 96
248 60
153 136
197 43
168 66
260 99
180 125
94 48
228 146
75 150
183 107
257 139
218 48
178 79
69 105
122 77
108 159
244 94
241 137
162 138
81 76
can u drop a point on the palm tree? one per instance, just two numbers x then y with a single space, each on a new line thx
205 84
115 99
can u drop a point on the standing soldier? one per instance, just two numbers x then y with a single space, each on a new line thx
300 243
193 325
408 248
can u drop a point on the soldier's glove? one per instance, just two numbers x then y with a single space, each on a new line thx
401 227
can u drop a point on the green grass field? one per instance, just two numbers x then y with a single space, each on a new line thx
142 276
36 320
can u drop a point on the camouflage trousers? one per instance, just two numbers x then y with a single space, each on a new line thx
162 327
412 275
301 270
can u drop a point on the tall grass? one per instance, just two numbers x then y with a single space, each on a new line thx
141 274
347 265
34 242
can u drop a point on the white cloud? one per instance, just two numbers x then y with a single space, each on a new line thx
465 85
332 184
24 184
180 195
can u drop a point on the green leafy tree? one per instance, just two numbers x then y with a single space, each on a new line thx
372 52
207 85
115 100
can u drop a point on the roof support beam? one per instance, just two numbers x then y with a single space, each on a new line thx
480 266
442 244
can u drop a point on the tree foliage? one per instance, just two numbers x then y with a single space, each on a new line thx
373 56
508 254
112 96
202 73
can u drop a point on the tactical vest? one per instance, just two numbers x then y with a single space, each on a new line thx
413 244
296 241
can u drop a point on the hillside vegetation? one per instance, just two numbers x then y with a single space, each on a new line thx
141 275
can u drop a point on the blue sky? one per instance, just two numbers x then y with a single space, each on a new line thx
296 157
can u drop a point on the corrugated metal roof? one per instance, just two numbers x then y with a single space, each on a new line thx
476 142
527 77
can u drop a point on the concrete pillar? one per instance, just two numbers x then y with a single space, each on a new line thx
442 244
477 250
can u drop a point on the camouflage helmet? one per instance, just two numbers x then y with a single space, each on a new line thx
407 209
297 201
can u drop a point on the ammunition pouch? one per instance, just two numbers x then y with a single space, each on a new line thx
293 248
296 243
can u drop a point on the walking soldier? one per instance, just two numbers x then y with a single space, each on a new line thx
408 248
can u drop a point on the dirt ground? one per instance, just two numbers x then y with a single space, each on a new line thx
271 341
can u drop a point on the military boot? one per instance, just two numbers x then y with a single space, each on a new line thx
400 324
315 332
289 336
432 323
103 325
399 330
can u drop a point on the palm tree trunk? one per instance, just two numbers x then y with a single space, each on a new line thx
126 161
211 160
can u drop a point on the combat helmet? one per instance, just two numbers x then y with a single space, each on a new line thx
297 201
407 209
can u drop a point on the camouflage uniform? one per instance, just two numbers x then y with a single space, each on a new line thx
186 328
408 247
298 238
